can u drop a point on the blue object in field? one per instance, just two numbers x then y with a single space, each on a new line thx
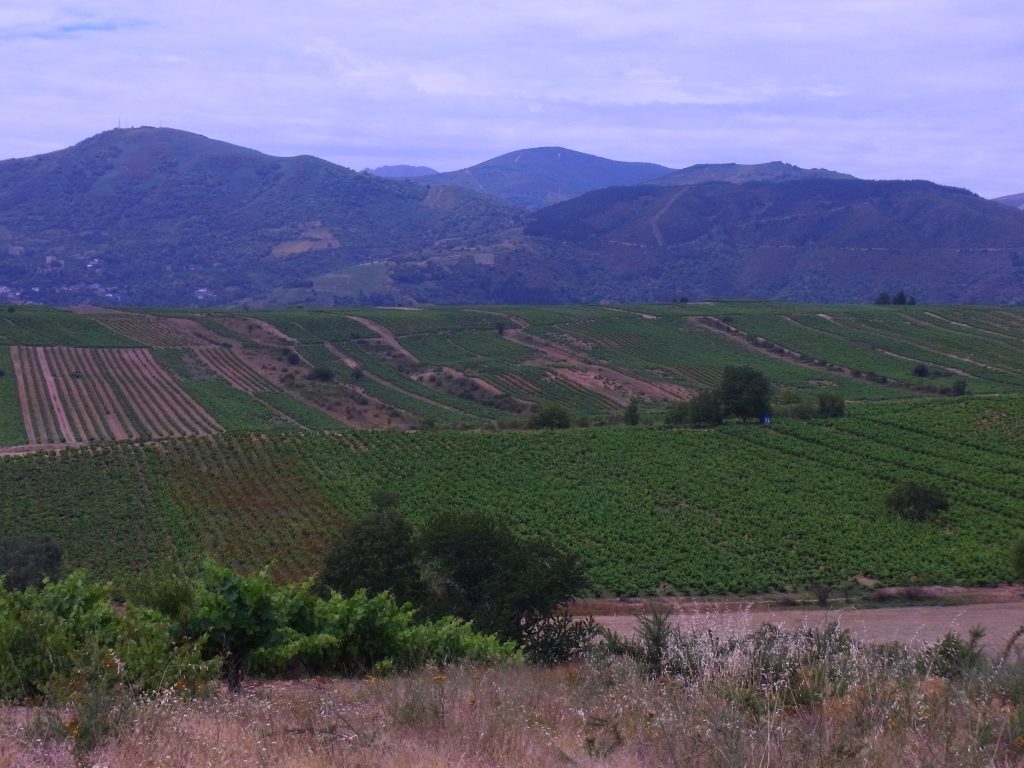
766 420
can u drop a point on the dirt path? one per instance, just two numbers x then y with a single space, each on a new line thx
643 315
999 610
386 336
660 238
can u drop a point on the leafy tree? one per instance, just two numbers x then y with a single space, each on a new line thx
550 417
320 374
900 298
883 298
26 561
478 569
831 405
914 501
631 415
745 393
375 552
705 410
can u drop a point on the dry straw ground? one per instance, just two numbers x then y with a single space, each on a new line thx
599 713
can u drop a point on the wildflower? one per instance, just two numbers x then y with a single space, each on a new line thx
440 677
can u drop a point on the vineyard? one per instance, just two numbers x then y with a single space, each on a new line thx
296 370
74 395
737 509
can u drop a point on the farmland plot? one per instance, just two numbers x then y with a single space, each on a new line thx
71 395
234 369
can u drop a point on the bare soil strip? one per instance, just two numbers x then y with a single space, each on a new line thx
384 382
130 391
84 395
23 398
166 419
54 395
68 394
603 380
235 370
514 382
194 419
38 405
386 336
105 398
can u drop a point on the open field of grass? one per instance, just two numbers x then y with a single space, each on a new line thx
741 508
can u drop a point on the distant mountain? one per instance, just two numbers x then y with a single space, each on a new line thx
1017 201
160 216
775 172
534 178
153 216
812 240
401 171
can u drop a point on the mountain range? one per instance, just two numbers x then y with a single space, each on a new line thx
151 216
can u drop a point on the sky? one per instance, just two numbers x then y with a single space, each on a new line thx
878 88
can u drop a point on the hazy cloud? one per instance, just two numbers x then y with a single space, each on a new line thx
920 88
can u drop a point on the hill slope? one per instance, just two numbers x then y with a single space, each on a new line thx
806 240
401 171
1016 201
160 216
776 172
533 178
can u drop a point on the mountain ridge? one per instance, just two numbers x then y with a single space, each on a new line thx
156 216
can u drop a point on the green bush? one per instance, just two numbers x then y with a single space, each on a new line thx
26 561
550 417
51 638
913 501
258 627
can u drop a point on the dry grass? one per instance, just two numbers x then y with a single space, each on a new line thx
601 713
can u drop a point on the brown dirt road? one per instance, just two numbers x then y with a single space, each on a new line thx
1000 610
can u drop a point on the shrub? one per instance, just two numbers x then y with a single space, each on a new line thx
26 561
831 405
914 501
321 374
550 417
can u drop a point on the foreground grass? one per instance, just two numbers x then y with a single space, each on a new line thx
842 706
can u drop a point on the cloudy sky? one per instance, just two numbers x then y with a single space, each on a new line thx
878 88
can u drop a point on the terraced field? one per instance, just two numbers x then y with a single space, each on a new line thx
73 395
737 509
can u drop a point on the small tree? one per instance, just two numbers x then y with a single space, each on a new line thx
900 298
376 552
917 502
883 298
476 568
831 405
550 417
745 393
